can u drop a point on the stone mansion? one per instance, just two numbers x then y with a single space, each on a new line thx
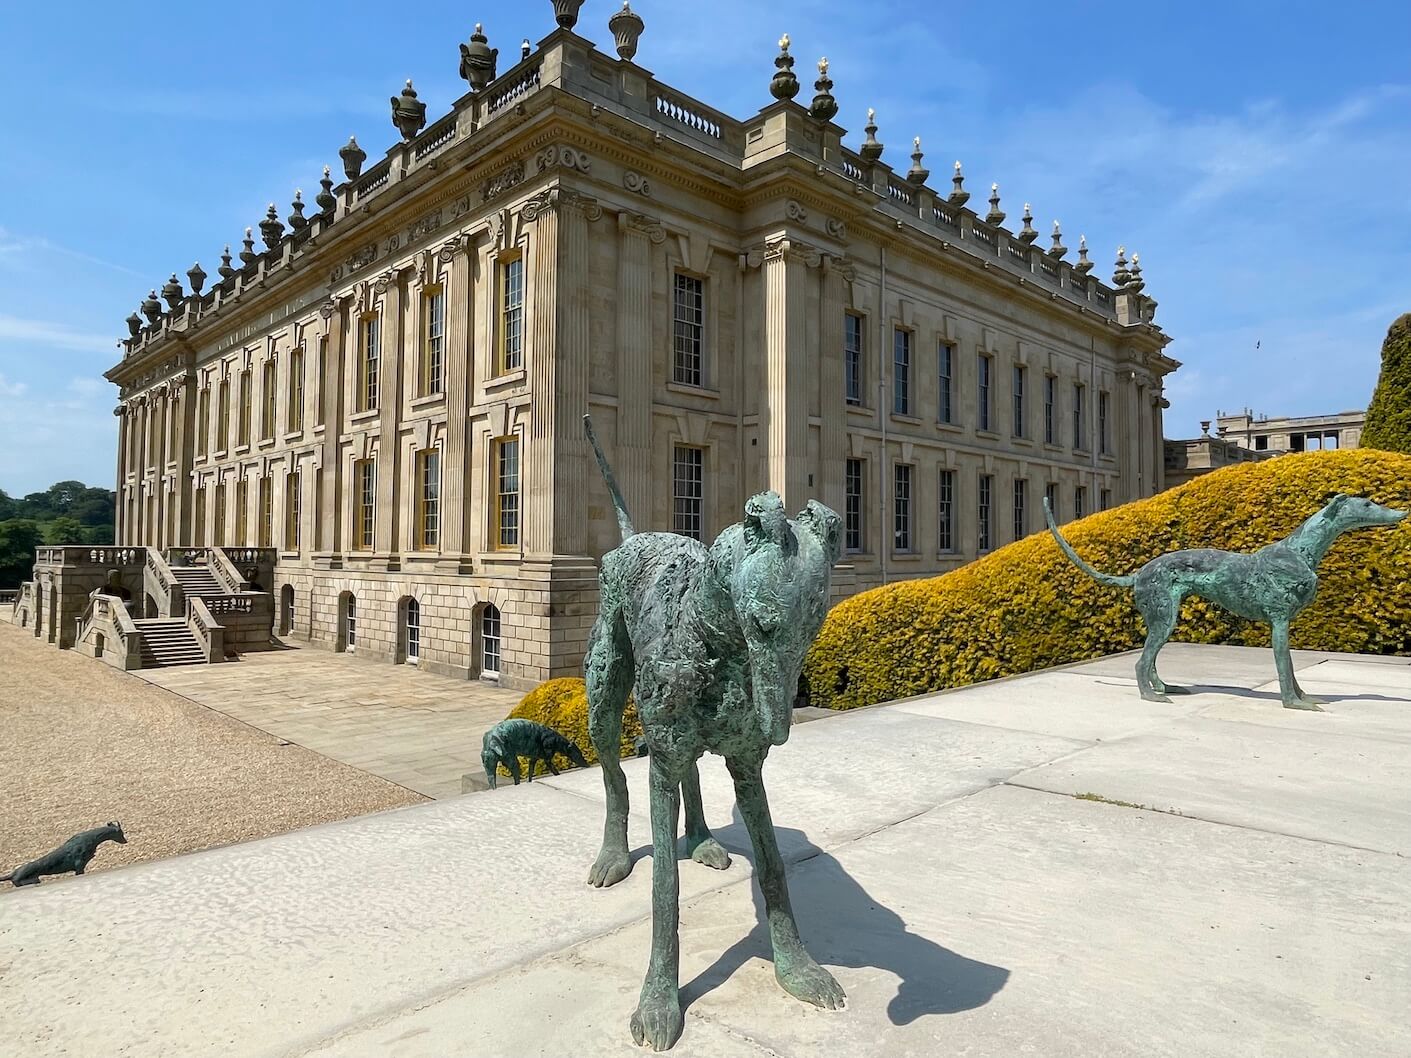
384 402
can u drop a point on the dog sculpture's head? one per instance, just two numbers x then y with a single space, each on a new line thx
776 571
1357 512
490 759
118 835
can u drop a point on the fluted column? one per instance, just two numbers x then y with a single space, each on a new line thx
786 368
832 447
389 403
632 459
330 533
538 510
456 461
120 526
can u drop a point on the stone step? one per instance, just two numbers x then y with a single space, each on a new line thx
168 642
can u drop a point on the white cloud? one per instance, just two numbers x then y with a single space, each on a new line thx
11 389
55 335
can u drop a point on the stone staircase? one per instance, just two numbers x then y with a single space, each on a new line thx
168 641
197 581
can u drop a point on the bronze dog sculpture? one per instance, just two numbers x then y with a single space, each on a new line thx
73 855
1273 584
516 737
713 642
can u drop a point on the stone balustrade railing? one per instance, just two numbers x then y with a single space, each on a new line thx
218 605
208 632
77 555
106 630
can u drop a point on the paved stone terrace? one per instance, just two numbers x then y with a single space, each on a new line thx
416 729
958 860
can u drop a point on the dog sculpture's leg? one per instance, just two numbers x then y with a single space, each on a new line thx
657 1021
1289 690
1160 611
512 765
609 672
701 845
796 970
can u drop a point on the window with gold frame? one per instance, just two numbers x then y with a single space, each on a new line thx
269 391
433 341
511 336
223 425
370 363
295 415
266 496
292 500
504 464
428 499
247 397
242 512
364 503
203 421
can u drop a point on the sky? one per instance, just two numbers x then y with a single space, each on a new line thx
1256 155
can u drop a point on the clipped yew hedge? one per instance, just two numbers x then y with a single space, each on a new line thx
562 704
1026 607
1388 424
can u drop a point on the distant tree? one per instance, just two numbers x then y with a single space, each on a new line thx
1388 425
98 534
63 530
18 539
8 507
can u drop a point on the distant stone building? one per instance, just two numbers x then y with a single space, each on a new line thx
386 400
1187 460
1308 433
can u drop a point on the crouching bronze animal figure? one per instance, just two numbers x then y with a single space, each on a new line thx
713 642
1273 584
73 855
516 737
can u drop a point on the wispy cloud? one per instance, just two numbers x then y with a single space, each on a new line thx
53 335
14 246
11 389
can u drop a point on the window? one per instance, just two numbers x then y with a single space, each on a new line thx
295 412
1079 399
428 499
1021 503
433 351
267 399
1050 384
199 536
852 505
1261 444
901 505
247 384
946 356
218 537
1102 422
946 511
1051 495
413 631
242 512
490 641
505 456
318 382
371 363
688 491
852 357
901 372
364 503
266 538
350 623
203 422
986 367
1106 497
688 331
1080 501
292 484
511 314
318 509
986 509
173 421
1020 377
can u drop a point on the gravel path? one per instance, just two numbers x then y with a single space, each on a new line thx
82 743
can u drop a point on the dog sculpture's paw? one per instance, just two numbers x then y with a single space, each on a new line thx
712 854
609 868
1307 702
657 1021
1153 696
805 979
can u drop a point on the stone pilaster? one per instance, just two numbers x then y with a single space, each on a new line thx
120 515
832 441
633 455
786 366
389 403
456 459
330 533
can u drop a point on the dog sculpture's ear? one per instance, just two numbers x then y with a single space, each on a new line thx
1335 504
826 526
765 520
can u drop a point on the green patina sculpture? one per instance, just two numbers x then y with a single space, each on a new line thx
1273 584
73 855
516 737
710 644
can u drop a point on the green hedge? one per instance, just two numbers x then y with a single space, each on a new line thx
562 704
1388 424
1025 607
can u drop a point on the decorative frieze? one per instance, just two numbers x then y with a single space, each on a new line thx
557 198
506 178
637 183
648 226
561 156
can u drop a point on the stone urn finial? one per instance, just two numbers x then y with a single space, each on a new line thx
197 275
225 271
626 27
996 215
1204 427
478 60
1120 275
408 112
151 308
297 220
134 325
1057 249
1028 233
171 292
353 157
824 106
566 12
247 251
1135 283
271 228
918 174
958 196
1084 265
525 48
784 85
326 199
871 148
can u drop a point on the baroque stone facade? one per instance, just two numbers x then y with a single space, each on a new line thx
1306 433
391 393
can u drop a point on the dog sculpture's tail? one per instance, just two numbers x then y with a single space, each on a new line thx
1097 575
624 520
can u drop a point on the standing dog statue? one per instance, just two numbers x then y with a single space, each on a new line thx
1273 584
73 855
714 642
516 737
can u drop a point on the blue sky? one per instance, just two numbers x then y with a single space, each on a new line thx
1256 154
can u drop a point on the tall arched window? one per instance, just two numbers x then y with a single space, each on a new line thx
413 631
490 641
286 609
350 623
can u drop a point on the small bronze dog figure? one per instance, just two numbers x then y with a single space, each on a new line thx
1273 584
72 855
516 737
713 642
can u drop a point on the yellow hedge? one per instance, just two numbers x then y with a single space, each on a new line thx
562 704
1026 607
